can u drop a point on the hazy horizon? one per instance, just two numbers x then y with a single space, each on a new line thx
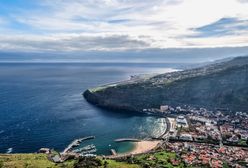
172 55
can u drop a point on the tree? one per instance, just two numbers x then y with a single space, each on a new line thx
105 164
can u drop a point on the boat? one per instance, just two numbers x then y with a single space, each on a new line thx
85 149
89 151
9 150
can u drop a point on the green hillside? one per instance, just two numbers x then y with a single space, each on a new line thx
220 85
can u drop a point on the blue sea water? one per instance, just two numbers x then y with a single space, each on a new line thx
41 105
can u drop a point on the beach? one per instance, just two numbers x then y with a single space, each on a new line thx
144 146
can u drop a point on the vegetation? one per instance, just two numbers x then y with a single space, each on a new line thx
31 161
115 164
222 85
160 159
242 142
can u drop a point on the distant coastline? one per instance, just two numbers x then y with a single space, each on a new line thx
194 87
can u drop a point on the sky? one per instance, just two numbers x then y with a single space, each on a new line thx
120 25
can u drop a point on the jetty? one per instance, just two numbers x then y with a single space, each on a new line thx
76 143
127 140
113 152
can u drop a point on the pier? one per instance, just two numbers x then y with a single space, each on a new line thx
127 140
76 143
113 152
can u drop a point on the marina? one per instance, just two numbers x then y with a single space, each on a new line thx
86 149
76 143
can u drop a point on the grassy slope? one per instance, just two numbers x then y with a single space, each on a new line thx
115 164
218 86
41 161
160 159
31 161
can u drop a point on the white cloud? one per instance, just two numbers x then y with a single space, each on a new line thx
155 24
71 42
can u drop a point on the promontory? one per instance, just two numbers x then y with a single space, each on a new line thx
217 85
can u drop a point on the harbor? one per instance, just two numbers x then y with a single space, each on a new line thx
77 142
122 147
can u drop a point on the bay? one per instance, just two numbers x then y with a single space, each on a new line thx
41 105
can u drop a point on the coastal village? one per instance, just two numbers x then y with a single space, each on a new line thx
206 138
199 138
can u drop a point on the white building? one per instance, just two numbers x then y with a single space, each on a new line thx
164 108
182 122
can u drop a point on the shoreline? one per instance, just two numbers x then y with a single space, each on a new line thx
143 147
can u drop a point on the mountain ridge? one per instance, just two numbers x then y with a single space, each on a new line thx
218 85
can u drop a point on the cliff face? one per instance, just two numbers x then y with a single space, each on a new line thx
222 85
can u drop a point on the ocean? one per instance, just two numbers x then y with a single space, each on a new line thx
41 105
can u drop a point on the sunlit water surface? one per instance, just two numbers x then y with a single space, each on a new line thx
41 105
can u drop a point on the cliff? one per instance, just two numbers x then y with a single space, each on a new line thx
219 85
